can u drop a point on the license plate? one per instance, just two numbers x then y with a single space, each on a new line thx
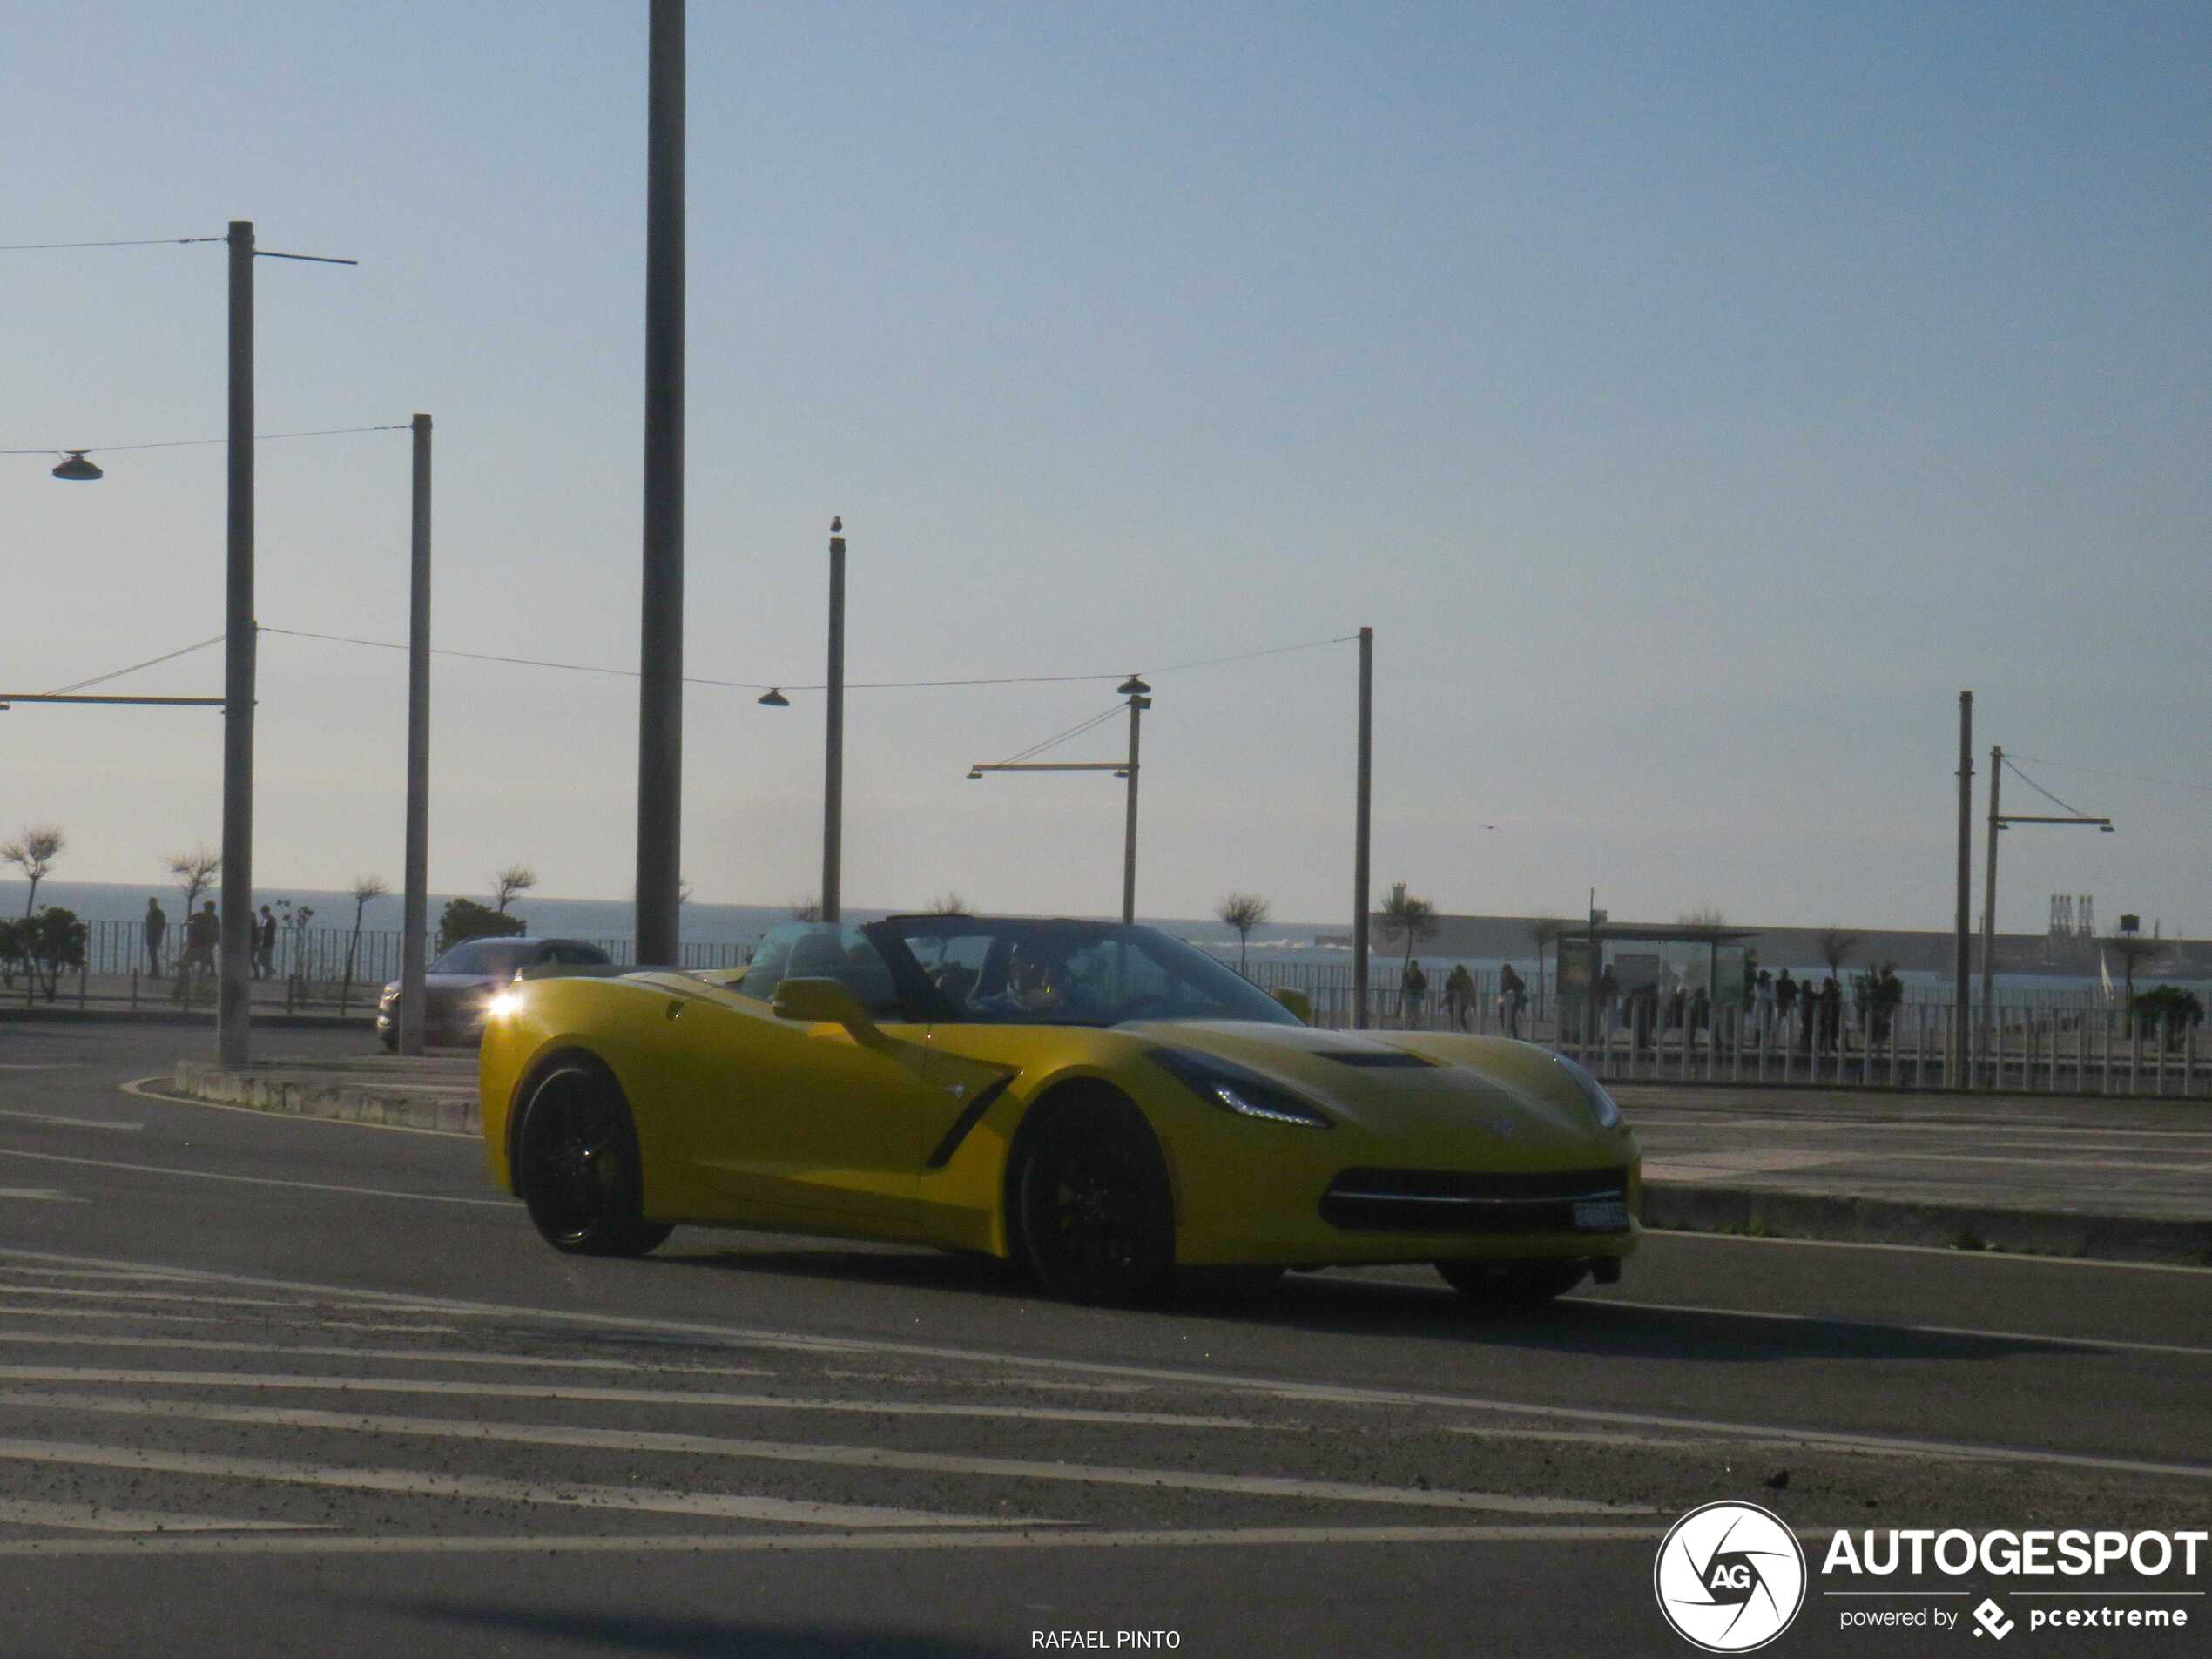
1602 1215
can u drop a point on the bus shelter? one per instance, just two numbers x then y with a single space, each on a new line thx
1652 961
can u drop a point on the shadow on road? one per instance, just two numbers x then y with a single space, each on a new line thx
638 1633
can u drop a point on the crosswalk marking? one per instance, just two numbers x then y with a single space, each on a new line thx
868 1457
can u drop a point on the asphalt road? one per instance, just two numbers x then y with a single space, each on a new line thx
280 1386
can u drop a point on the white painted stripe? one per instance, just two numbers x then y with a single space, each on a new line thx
864 1457
41 1065
94 1517
598 1396
427 1356
1280 1388
425 1483
137 1086
53 1194
1659 1235
257 1180
748 1543
194 1298
157 1275
2115 1345
137 1316
73 1123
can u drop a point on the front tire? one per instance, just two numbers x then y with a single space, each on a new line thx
1094 1218
1505 1285
577 1165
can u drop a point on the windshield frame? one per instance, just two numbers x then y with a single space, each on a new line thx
1236 997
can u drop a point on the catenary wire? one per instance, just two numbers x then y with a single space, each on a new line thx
2012 768
2122 776
187 443
139 241
116 674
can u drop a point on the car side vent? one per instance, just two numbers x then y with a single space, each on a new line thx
1375 1059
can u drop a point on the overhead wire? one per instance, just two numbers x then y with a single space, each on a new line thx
137 242
2013 767
116 674
2120 777
187 443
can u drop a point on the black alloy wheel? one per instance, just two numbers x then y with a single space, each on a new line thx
578 1167
1506 1286
1094 1217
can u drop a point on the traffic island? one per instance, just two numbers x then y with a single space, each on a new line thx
435 1092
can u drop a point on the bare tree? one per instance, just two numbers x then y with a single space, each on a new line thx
196 871
365 887
34 851
1244 912
1407 918
950 904
806 909
507 883
1706 915
1837 945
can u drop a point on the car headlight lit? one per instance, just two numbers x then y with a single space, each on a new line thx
1223 1084
500 1004
1608 1109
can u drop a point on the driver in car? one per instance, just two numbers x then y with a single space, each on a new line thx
1034 983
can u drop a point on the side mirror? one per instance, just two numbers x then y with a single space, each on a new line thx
1298 1001
822 1001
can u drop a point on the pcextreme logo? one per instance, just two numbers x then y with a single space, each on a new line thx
1730 1577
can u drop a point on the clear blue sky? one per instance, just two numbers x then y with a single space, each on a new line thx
1693 398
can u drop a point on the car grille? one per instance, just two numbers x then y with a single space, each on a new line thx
1448 1201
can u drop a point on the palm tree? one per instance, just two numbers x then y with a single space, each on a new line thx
1405 916
35 852
1244 912
365 887
507 884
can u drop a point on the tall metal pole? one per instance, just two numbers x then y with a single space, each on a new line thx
833 761
414 921
1361 823
1962 992
1137 704
1989 904
660 694
234 997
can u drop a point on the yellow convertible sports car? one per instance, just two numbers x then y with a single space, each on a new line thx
1102 1103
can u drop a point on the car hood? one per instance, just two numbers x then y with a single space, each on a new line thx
450 982
1395 1083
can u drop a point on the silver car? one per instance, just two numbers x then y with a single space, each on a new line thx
464 979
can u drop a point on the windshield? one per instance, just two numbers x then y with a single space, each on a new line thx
978 970
499 958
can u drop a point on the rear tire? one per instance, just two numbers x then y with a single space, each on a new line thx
1506 1286
577 1166
1092 1215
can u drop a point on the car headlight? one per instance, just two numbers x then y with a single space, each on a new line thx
1234 1088
1608 1109
500 1004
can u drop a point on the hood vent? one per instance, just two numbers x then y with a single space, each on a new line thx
1373 1059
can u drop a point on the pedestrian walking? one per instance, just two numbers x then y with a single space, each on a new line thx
1413 992
264 937
202 930
156 925
1608 998
1459 997
1512 996
1762 1004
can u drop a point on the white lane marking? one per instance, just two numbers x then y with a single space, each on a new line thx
427 1483
51 1194
138 1314
73 1123
40 1065
601 1396
93 1517
158 1275
427 1356
747 1543
137 1087
257 1180
2116 1345
171 1296
862 1457
1276 1388
2013 1258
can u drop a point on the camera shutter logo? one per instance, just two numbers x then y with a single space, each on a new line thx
1730 1577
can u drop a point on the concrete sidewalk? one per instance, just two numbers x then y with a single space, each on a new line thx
2120 1180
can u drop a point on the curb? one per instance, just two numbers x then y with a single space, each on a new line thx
453 1113
1772 1212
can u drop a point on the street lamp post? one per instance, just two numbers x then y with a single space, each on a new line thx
414 918
833 742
